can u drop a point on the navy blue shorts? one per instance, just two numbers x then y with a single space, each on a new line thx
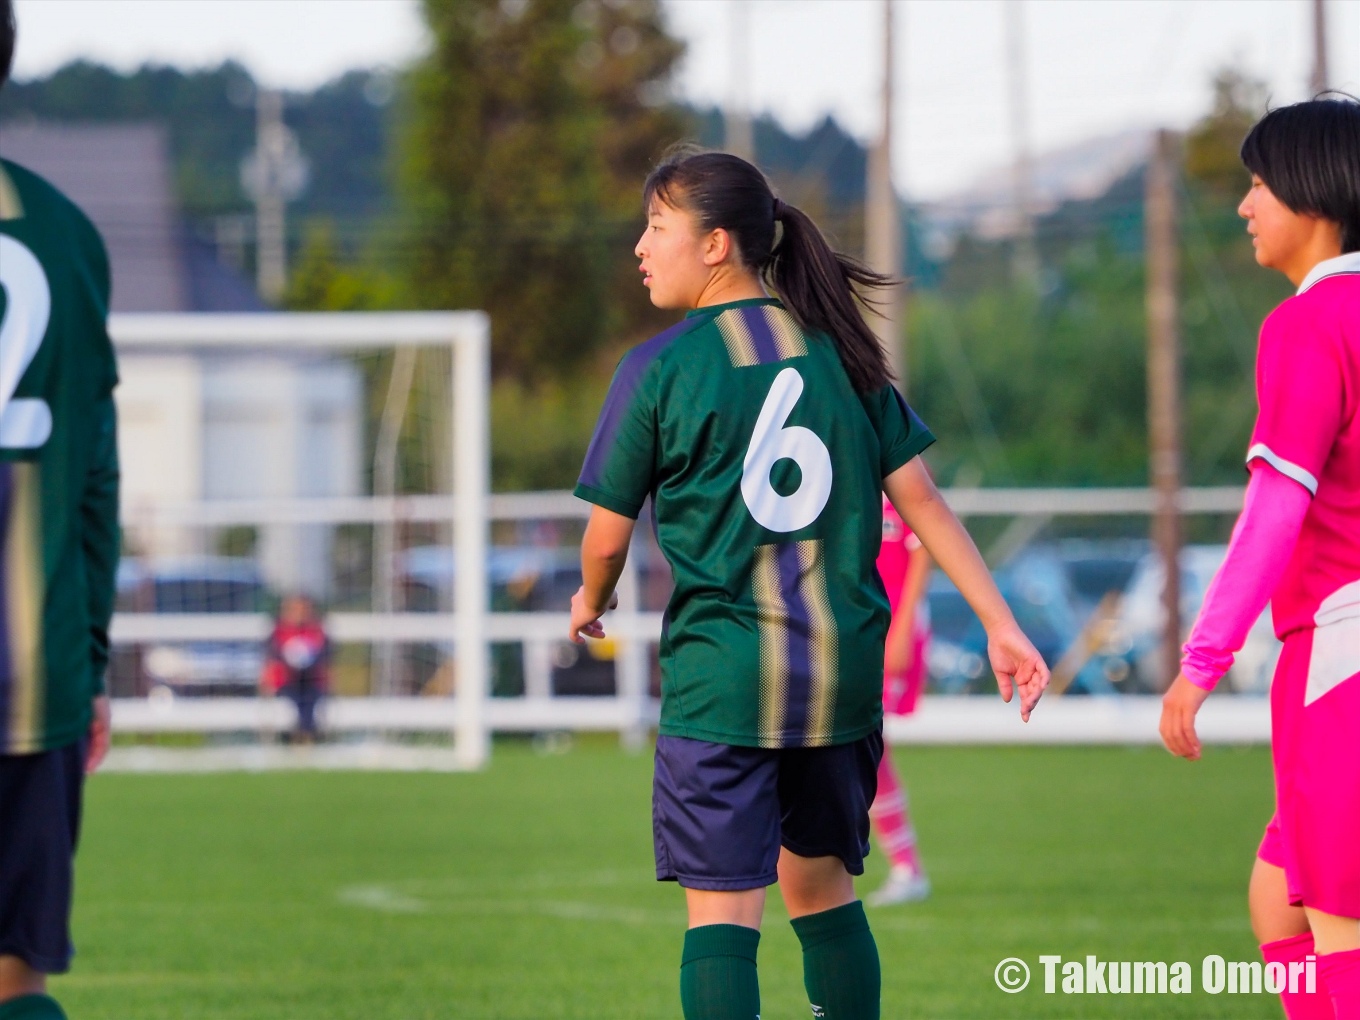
720 813
40 824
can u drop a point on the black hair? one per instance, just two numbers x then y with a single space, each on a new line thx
817 284
1308 154
8 31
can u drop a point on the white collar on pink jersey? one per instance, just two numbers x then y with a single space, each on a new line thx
1342 265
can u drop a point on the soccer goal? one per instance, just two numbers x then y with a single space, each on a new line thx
342 457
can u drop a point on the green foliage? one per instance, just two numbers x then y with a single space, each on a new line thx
526 891
1212 146
322 280
534 123
1049 387
540 431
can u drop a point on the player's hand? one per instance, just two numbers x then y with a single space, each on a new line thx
100 728
585 620
1179 705
1017 665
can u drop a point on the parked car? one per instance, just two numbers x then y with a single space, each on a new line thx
201 584
538 579
1137 635
1097 567
1038 589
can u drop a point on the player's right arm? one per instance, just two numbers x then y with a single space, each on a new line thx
604 551
1015 660
100 541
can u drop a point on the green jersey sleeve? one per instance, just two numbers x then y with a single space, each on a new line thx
620 465
901 435
100 537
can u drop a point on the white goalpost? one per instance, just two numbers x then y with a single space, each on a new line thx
160 339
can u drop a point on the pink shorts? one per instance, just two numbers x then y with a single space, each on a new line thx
1315 833
900 693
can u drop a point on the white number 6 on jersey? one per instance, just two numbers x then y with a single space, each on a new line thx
771 442
25 424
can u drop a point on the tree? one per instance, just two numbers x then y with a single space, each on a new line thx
533 125
1211 147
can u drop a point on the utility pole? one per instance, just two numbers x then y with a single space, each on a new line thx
739 137
1163 360
1318 83
274 173
882 222
1024 257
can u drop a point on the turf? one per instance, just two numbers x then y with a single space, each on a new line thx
526 891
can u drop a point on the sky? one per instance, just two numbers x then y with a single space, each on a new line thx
1092 67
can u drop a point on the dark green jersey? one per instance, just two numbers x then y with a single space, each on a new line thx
58 465
765 469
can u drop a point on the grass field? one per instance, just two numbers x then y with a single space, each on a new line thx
526 891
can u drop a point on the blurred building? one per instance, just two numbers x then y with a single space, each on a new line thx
200 427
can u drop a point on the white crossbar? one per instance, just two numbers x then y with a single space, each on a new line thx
327 331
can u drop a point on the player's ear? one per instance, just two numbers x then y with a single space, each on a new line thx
717 247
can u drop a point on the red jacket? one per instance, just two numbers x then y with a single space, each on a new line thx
297 655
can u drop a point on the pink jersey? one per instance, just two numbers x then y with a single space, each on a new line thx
900 693
1308 387
895 553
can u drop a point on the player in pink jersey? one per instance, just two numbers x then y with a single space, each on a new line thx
904 565
1297 544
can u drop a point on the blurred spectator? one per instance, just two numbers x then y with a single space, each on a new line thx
297 662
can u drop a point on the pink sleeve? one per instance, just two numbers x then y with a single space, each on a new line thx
1262 543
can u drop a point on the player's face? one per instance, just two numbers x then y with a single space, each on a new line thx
672 254
1277 232
296 611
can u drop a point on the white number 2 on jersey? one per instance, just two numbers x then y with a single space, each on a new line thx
26 423
772 442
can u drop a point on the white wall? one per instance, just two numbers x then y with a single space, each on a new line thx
241 427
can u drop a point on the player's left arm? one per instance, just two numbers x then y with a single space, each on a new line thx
1014 659
1301 394
604 551
100 541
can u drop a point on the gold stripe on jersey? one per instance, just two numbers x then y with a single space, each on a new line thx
11 208
788 335
773 617
736 334
823 644
734 325
24 602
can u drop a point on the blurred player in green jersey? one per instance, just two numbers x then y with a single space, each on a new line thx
765 432
58 556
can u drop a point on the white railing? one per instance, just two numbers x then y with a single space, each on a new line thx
1129 719
631 711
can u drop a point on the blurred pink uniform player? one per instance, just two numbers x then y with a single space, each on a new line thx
901 691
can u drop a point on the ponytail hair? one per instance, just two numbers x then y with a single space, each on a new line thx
819 285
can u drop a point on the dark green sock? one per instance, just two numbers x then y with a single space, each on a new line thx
31 1007
718 973
840 963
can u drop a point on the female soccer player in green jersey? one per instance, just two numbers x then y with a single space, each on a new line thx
765 432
